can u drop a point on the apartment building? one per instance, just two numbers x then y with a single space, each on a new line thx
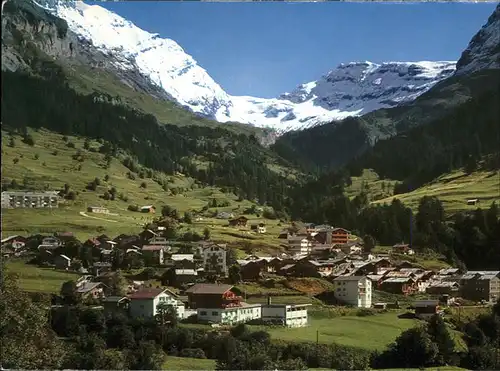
25 199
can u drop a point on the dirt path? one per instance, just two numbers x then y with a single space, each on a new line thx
82 213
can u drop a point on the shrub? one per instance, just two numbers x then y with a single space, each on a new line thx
364 312
144 185
37 156
192 353
70 145
133 208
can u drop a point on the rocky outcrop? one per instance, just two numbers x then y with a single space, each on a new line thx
483 51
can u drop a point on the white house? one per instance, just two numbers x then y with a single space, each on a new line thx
144 302
299 245
230 315
290 315
354 290
213 254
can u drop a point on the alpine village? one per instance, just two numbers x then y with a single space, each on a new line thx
139 235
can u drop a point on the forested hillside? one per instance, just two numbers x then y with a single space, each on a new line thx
235 161
333 145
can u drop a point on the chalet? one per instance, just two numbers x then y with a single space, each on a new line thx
322 237
158 240
354 290
439 288
305 268
150 209
147 234
349 248
340 236
399 285
258 228
283 234
62 262
124 241
51 241
252 270
116 304
98 209
92 290
183 276
154 254
472 201
402 249
448 272
15 242
181 261
217 303
98 268
480 285
144 302
425 309
240 221
9 241
224 215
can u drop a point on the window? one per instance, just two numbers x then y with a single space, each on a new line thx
203 313
215 313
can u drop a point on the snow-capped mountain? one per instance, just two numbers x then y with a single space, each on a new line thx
483 50
350 89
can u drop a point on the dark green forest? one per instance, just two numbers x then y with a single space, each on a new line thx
432 139
237 162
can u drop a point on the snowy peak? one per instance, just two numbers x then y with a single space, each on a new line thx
162 60
483 51
352 89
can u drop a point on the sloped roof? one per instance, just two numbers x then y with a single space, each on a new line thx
209 288
149 293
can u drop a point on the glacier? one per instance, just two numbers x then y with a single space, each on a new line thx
351 89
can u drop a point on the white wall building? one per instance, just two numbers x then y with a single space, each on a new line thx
26 199
230 315
290 315
144 303
299 245
354 290
214 253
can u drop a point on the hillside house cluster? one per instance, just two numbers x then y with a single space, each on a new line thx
322 240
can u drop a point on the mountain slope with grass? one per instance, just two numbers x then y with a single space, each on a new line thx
65 122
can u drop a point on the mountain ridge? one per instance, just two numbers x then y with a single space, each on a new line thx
182 79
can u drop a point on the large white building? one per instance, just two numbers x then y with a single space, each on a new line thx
299 245
214 257
230 315
290 315
144 303
354 290
25 199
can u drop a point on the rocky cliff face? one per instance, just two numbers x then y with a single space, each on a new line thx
483 51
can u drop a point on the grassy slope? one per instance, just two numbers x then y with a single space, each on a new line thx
452 189
35 279
373 332
182 363
53 171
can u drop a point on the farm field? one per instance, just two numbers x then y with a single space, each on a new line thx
370 332
35 279
183 363
454 189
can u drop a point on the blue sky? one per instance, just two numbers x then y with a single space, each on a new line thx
267 48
